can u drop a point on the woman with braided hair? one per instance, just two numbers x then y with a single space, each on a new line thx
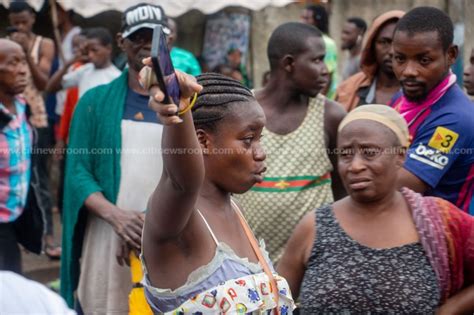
199 254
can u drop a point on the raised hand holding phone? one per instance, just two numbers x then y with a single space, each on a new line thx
169 89
167 111
163 66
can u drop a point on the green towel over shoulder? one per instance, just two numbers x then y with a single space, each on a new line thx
92 165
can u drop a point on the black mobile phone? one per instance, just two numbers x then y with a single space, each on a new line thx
11 29
163 67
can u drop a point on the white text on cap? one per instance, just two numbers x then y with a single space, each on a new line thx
142 14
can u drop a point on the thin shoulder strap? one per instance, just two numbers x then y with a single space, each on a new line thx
208 227
36 48
258 253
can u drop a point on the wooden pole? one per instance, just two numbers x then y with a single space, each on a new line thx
57 35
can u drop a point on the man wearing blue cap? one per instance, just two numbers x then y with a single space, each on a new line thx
111 170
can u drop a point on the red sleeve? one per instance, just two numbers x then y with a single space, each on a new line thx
72 96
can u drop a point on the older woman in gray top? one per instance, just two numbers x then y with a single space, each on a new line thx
367 253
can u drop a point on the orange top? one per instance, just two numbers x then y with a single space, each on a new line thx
72 96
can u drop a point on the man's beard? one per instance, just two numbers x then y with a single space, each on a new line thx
418 98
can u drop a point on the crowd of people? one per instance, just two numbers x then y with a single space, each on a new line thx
318 193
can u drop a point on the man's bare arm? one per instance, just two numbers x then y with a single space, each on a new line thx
40 72
333 115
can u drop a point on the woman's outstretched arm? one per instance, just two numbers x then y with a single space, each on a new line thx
172 202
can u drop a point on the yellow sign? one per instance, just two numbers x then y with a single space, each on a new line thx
443 139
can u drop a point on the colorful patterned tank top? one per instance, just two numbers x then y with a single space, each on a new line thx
228 284
297 180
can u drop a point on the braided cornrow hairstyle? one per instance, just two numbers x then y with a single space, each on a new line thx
214 100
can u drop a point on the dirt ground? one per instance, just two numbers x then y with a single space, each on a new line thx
39 267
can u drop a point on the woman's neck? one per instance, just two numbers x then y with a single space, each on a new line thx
376 207
212 198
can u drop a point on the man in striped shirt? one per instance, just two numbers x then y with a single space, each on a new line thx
15 147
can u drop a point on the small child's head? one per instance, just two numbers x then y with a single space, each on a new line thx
228 71
79 44
234 57
99 46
